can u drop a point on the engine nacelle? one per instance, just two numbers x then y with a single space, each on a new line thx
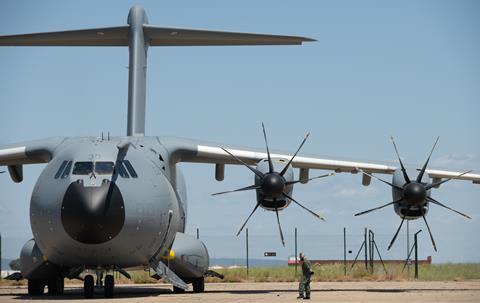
263 167
34 265
188 258
402 207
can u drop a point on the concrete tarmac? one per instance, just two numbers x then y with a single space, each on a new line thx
391 292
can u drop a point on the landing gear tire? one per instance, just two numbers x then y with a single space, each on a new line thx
35 287
88 287
178 290
56 286
109 286
198 285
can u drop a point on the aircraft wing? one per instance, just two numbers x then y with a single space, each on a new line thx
31 152
186 150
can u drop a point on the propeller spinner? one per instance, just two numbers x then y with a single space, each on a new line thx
272 185
414 193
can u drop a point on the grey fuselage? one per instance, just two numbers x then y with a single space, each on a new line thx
76 222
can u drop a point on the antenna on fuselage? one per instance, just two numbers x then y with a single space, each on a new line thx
138 36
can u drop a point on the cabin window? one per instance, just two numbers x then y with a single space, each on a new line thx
66 172
83 168
130 169
60 170
104 168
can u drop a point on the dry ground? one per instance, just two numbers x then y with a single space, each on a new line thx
390 292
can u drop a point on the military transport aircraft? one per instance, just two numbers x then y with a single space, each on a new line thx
109 204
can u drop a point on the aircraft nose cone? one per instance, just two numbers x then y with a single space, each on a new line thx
414 193
93 215
273 185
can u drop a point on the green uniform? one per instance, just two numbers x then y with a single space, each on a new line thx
304 286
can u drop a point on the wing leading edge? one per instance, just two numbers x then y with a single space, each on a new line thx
185 150
31 152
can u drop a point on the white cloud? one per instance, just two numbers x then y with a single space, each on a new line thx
458 160
347 192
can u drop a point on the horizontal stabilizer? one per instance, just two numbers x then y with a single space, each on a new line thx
108 36
154 36
163 36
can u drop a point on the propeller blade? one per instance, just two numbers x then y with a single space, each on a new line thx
294 155
430 199
240 189
386 182
280 227
420 175
255 171
407 179
298 203
270 164
297 181
398 230
446 180
254 209
430 232
385 205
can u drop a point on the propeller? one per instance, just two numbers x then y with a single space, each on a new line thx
272 184
414 193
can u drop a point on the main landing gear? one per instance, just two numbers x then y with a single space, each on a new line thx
198 285
89 285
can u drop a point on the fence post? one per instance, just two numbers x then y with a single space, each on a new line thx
366 249
344 251
247 248
416 256
408 247
296 252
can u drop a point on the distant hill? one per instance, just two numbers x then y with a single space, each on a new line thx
251 262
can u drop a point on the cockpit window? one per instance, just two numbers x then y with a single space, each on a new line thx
83 168
60 170
104 168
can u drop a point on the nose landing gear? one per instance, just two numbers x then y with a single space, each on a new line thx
89 285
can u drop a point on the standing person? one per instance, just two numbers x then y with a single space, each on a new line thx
304 286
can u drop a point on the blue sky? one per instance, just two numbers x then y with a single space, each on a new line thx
410 69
